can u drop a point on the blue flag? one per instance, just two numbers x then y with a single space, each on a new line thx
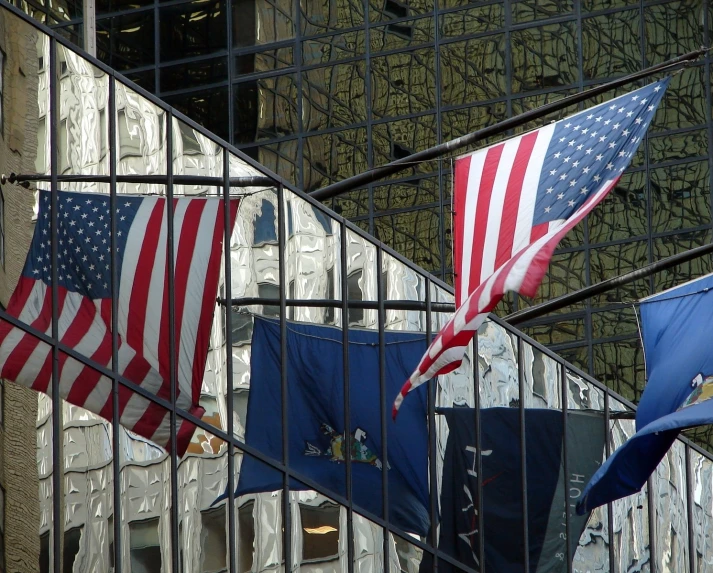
677 327
316 418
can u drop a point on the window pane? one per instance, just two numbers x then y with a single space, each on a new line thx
145 550
214 547
320 532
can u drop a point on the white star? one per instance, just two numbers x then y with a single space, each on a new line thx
88 201
585 130
570 203
127 204
69 199
612 106
566 159
612 145
91 223
599 157
610 166
625 132
557 155
597 179
622 153
576 128
589 150
580 147
553 172
643 101
571 143
638 120
621 110
585 170
607 122
590 116
599 118
91 267
657 88
602 138
84 215
95 209
563 176
567 124
615 126
583 191
630 114
548 209
634 98
549 190
560 196
575 164
650 108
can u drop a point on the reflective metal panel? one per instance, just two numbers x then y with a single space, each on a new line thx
702 506
497 365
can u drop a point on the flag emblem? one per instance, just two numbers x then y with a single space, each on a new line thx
85 310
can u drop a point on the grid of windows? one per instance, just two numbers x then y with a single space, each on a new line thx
321 90
181 511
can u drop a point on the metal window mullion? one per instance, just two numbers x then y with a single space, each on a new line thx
57 435
115 436
170 250
347 395
523 456
689 511
381 324
478 455
565 465
610 515
432 438
227 285
286 510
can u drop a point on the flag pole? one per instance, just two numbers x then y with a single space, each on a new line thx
582 294
371 175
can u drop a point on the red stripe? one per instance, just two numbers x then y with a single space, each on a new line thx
490 169
460 191
17 303
88 377
20 354
539 231
44 377
137 369
185 237
79 327
511 206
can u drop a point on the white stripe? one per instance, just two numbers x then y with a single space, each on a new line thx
193 304
36 360
467 219
130 262
497 202
87 346
28 315
154 309
530 184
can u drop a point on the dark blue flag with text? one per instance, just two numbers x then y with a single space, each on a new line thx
551 491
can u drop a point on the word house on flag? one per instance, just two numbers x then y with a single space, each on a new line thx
84 304
514 201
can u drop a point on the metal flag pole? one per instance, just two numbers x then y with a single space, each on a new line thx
604 286
367 177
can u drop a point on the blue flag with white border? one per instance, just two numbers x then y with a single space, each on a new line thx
677 327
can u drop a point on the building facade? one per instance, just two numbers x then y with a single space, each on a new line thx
80 494
321 90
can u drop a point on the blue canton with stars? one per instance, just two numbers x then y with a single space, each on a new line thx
592 147
83 242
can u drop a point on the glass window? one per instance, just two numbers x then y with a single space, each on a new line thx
265 231
192 29
356 315
214 547
127 42
246 537
45 552
145 550
320 532
72 538
268 290
209 108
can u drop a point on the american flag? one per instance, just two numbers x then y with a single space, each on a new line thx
514 201
84 304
